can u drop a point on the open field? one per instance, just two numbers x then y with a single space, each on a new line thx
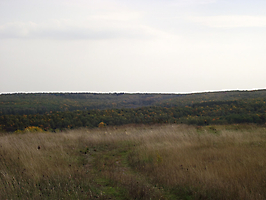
136 162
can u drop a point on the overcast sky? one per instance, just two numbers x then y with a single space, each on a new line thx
133 46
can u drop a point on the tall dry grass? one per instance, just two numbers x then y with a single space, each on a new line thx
44 165
135 162
208 163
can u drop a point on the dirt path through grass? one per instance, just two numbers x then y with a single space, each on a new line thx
115 179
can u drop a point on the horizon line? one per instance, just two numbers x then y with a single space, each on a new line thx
125 92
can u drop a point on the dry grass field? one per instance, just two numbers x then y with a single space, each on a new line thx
136 162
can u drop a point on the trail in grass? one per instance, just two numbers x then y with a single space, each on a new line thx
115 179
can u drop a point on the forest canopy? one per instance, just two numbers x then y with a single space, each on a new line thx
57 111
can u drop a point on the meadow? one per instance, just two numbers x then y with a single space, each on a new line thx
135 162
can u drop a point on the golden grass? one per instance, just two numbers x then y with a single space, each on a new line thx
222 165
136 162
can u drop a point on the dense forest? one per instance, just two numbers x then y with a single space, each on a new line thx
41 103
57 111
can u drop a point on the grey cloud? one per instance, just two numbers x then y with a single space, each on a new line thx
230 21
87 34
191 2
33 31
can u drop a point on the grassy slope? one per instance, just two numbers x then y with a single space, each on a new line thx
136 162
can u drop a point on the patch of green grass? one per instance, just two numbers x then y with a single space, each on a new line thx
105 188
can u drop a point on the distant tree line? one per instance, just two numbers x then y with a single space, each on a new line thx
204 113
43 103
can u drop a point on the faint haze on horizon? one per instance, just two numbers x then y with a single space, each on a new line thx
173 46
137 92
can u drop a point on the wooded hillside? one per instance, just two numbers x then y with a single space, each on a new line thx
61 111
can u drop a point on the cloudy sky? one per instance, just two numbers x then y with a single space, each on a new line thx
178 46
